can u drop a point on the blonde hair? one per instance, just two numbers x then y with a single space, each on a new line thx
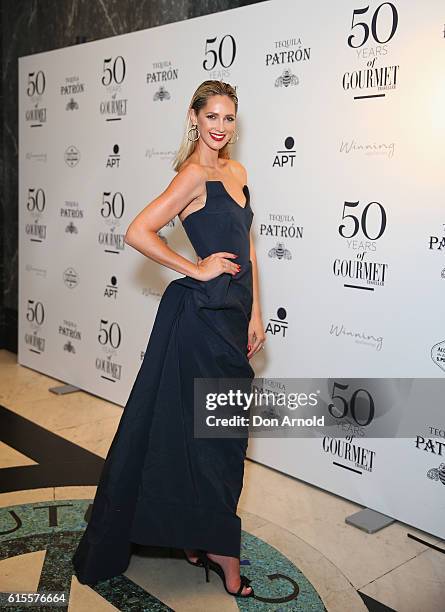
199 100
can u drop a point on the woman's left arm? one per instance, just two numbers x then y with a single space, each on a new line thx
256 336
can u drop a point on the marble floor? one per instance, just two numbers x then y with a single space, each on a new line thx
337 567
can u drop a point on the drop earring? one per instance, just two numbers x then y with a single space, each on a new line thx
237 136
195 128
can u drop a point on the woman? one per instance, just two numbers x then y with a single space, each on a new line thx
160 484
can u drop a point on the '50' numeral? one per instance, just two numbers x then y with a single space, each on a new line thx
365 26
216 56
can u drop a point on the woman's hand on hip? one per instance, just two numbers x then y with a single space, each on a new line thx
216 264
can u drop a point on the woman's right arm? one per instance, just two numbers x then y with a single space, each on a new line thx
142 231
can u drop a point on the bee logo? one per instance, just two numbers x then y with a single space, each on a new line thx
72 105
71 228
437 473
69 347
280 252
287 79
162 94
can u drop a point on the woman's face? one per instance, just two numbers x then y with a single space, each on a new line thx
216 121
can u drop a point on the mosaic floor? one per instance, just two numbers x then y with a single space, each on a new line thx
296 546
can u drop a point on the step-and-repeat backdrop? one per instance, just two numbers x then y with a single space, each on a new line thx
342 124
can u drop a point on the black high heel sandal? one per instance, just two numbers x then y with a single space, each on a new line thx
216 567
197 563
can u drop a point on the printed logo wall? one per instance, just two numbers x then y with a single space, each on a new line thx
341 128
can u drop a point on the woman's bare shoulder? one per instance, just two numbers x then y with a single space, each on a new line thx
192 170
238 170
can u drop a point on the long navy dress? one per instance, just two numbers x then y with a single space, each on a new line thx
160 485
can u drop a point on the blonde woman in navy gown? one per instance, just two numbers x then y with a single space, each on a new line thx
161 485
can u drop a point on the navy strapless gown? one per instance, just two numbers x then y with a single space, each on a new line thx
160 485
